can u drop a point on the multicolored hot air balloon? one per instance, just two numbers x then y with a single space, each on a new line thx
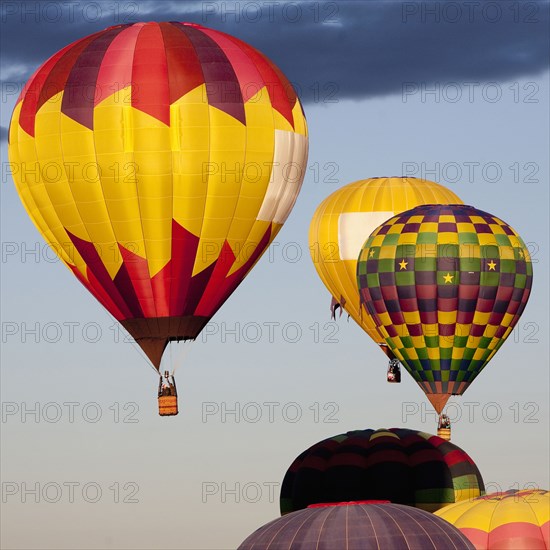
343 222
513 520
445 285
368 525
398 465
159 160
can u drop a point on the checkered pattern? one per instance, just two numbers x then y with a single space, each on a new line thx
445 285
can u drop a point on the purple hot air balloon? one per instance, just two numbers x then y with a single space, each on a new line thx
364 525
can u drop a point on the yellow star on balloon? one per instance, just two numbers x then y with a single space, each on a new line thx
371 253
448 278
521 253
403 264
492 265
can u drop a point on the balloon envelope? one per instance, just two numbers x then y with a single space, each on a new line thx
399 465
345 219
154 159
445 285
514 520
358 526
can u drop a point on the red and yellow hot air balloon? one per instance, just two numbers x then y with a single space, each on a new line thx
513 520
159 160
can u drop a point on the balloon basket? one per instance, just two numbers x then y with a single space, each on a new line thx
168 405
444 433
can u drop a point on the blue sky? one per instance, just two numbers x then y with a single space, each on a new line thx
388 88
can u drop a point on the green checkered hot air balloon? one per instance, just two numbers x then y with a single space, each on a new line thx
446 285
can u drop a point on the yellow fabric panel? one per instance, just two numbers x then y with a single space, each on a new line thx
118 168
190 136
418 341
506 320
462 330
280 122
382 433
447 237
486 239
490 331
473 341
300 124
245 249
34 190
465 227
506 253
467 250
411 317
446 317
481 318
396 228
477 516
407 239
479 353
429 226
458 353
376 241
227 154
153 162
78 147
23 161
254 214
489 514
260 145
386 252
373 195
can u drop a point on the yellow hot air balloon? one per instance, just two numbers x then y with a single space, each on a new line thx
343 222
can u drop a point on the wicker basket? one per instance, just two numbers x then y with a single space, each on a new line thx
168 405
444 433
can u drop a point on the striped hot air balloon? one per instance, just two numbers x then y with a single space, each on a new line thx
358 526
399 465
445 286
513 520
159 160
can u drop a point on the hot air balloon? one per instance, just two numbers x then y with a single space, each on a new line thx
399 465
368 525
445 285
513 520
342 223
165 157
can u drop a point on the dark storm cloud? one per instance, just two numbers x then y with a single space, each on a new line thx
366 48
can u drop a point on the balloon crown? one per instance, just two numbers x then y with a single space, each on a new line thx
350 503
